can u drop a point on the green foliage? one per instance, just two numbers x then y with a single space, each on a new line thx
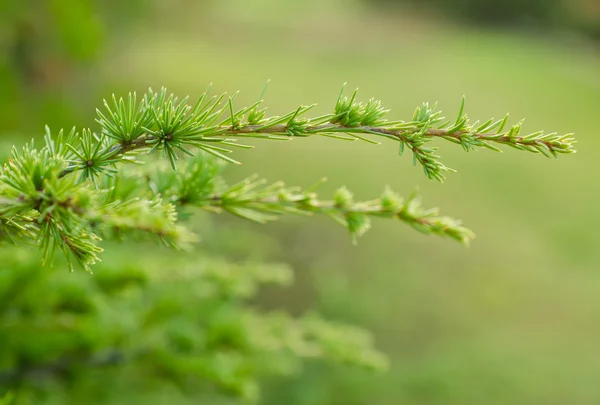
186 319
44 203
162 122
184 322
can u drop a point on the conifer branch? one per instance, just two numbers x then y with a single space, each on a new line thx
71 193
162 122
256 200
267 204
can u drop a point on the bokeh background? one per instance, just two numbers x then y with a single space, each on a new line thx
515 318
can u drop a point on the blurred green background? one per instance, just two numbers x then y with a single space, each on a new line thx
515 318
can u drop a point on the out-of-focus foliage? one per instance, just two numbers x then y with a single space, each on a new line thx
584 15
41 42
501 12
46 45
144 324
540 15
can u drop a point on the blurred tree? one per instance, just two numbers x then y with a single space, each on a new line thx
41 43
45 45
492 12
585 15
